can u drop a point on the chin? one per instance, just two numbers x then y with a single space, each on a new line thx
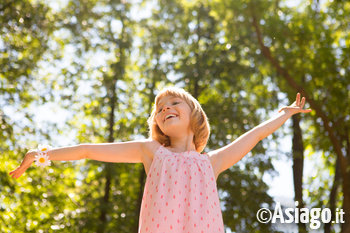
174 130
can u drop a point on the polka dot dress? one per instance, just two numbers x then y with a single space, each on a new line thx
180 195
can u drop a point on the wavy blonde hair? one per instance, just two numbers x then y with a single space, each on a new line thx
198 121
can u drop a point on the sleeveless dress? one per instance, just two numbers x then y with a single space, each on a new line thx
180 195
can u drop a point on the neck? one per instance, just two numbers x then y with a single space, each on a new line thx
182 144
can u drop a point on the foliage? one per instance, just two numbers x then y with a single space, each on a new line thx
104 62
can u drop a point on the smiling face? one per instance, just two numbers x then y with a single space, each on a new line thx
175 126
188 130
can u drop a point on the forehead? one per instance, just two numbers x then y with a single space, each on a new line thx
166 98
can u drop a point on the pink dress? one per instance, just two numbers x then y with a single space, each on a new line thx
180 195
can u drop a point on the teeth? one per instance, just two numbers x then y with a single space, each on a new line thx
169 116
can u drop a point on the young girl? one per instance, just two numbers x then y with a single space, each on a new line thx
180 193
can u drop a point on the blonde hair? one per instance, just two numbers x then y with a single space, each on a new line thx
198 121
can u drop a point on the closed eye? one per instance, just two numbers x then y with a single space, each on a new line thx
174 103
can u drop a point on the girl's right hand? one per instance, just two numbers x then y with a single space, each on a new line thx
27 161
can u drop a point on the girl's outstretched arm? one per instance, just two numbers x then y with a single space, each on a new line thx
63 153
230 154
118 152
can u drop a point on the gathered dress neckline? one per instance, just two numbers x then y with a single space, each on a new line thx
187 151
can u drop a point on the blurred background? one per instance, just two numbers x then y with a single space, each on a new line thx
87 71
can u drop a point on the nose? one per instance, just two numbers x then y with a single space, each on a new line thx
164 108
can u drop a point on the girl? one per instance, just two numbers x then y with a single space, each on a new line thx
180 193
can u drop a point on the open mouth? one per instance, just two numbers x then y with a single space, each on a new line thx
170 117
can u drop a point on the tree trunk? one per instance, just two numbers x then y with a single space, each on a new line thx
142 179
105 200
108 166
332 197
298 167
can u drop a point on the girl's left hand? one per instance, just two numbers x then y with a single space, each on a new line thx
26 163
296 107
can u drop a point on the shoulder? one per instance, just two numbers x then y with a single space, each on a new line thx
149 147
215 160
213 156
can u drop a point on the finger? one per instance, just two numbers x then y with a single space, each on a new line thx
298 99
18 174
11 172
302 102
16 169
14 173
